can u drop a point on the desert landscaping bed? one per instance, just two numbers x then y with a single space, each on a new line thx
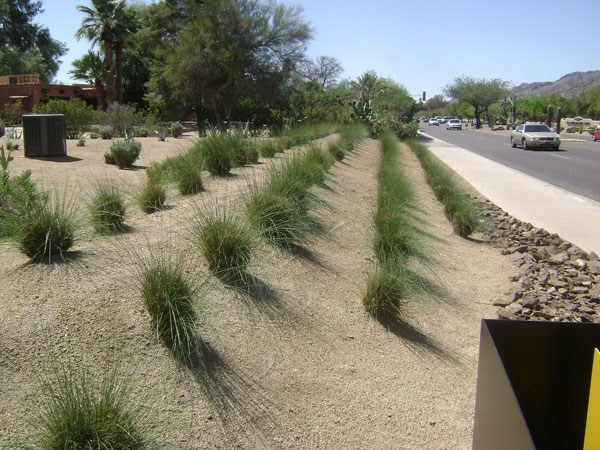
297 363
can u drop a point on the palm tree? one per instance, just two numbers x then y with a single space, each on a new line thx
108 23
90 68
125 25
368 85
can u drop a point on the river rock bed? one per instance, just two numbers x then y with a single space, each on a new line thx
554 279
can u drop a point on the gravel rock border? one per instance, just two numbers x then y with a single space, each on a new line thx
555 280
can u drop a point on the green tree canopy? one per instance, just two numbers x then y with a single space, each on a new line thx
588 103
223 43
478 92
25 46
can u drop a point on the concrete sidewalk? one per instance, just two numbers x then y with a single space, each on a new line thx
574 217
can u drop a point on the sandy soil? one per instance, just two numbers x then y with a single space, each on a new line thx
298 364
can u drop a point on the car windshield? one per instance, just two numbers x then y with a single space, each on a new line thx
453 121
537 129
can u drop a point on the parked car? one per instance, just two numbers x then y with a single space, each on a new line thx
534 135
433 122
596 135
453 124
444 119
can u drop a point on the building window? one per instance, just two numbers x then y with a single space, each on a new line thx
12 80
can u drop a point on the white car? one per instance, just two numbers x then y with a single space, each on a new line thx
433 122
453 124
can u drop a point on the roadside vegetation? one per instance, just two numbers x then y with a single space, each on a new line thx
396 238
458 206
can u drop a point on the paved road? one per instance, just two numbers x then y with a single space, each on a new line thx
574 217
575 167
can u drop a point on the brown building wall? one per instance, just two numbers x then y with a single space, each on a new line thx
32 94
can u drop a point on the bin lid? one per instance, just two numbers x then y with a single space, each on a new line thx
43 115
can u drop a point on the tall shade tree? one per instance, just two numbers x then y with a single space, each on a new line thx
108 23
324 70
90 68
226 41
26 47
478 92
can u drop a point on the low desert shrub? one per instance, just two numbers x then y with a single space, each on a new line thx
224 241
169 295
126 152
141 132
152 198
109 158
107 208
190 181
79 411
2 128
94 135
106 131
121 118
81 142
176 129
78 114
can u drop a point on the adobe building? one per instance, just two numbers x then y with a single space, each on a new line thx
31 92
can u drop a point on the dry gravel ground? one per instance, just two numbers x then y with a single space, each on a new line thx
298 364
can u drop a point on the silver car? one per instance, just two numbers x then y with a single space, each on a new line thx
530 135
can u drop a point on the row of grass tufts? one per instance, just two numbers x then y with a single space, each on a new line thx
396 238
349 135
458 206
277 207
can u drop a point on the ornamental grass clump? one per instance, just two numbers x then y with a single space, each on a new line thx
269 148
279 220
152 198
172 169
190 181
387 288
219 152
107 208
79 411
169 293
224 241
45 229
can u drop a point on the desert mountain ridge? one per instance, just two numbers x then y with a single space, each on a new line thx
570 85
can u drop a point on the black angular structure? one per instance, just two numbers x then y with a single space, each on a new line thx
44 135
533 384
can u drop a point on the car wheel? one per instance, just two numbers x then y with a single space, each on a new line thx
512 143
524 144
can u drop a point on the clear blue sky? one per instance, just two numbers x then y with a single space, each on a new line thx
423 44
